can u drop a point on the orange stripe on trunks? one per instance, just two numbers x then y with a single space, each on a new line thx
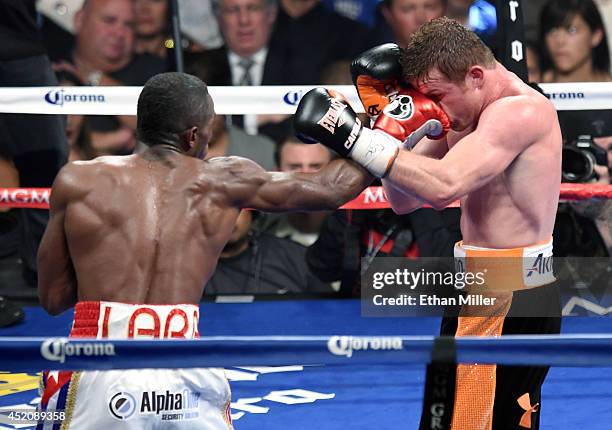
476 383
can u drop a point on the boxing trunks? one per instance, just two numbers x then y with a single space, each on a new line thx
139 398
495 397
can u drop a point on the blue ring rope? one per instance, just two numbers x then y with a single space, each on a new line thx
29 353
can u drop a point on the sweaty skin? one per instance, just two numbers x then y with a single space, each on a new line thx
149 228
503 161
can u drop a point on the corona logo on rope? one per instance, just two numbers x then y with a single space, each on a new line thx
59 97
292 98
345 345
57 349
565 95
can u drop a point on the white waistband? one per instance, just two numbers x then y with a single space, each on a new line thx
124 321
515 268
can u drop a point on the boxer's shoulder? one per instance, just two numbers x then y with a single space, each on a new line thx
93 168
233 178
78 177
70 182
524 109
232 162
232 169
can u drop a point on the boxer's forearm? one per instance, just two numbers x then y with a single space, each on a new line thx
341 181
424 178
401 202
57 288
327 189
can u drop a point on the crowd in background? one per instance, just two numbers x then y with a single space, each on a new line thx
274 42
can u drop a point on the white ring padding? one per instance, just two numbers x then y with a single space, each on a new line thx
243 100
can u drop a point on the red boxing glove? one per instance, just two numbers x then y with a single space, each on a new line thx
412 116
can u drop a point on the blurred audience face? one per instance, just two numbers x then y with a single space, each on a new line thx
105 31
246 25
151 17
570 47
406 16
533 65
574 41
302 157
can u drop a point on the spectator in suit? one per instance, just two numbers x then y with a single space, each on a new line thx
246 58
228 139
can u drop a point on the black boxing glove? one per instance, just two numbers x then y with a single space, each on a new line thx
325 116
377 74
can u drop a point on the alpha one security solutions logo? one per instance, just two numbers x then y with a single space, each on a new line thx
122 405
169 405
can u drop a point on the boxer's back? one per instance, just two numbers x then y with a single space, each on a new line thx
145 228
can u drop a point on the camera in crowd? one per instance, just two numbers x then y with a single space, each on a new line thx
580 158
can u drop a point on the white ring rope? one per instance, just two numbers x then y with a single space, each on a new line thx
242 100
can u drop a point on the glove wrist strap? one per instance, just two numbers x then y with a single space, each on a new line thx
376 151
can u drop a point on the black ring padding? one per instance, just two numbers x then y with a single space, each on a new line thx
444 350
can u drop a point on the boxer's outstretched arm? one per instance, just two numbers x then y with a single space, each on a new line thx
57 289
250 186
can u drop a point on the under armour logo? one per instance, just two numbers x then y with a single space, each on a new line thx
525 403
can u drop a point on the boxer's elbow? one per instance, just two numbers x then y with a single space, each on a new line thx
446 189
342 192
346 185
443 198
55 300
53 307
405 207
333 199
